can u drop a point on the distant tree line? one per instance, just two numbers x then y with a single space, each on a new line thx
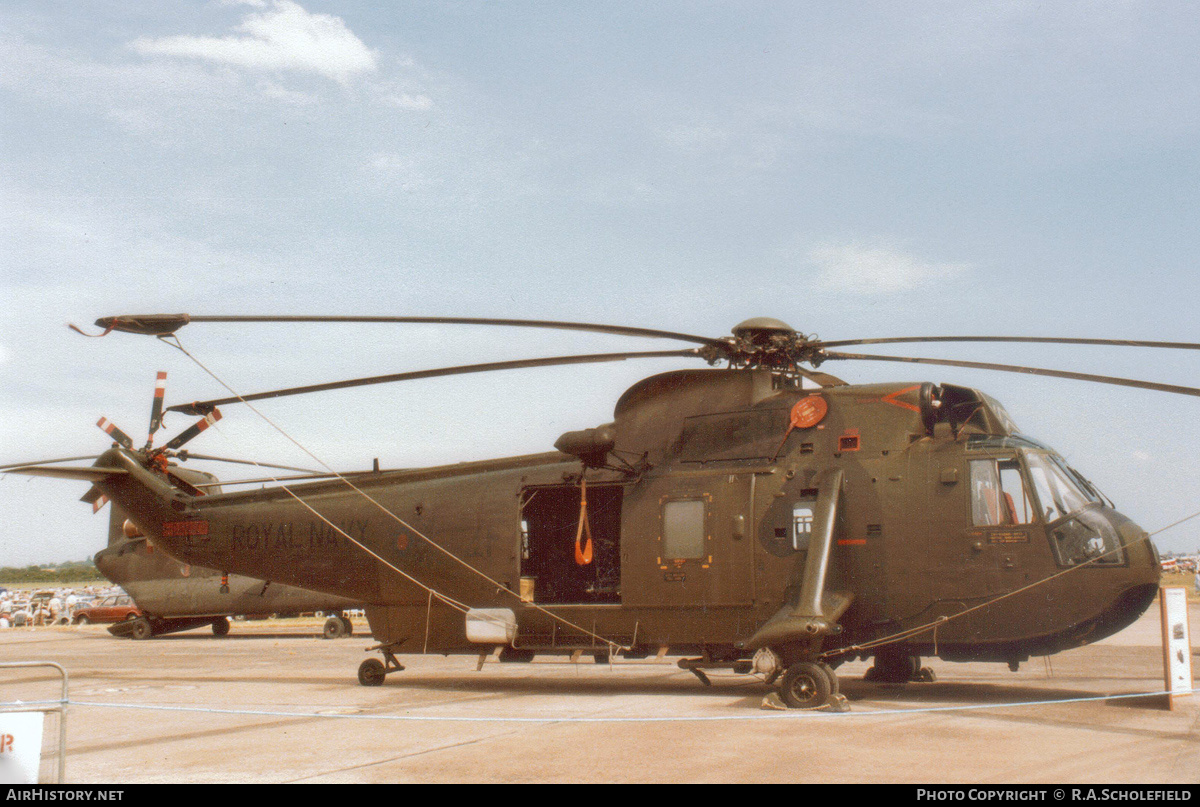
76 571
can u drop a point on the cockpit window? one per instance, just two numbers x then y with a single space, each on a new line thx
1086 487
993 442
998 494
1058 492
1087 538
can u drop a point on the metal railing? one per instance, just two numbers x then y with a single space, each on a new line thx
46 707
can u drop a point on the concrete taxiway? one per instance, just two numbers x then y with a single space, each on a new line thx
272 702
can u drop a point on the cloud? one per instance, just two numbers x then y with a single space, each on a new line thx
284 95
283 38
416 103
864 269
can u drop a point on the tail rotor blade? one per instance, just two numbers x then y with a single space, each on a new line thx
193 430
156 409
110 428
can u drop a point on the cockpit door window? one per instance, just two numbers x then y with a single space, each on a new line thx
998 494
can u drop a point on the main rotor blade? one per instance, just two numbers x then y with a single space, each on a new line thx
203 407
895 340
92 473
163 324
186 455
48 462
1012 368
301 478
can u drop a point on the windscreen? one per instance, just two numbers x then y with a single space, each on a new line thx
1060 491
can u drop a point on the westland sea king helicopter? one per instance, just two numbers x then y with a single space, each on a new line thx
763 517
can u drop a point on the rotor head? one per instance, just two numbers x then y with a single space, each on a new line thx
765 342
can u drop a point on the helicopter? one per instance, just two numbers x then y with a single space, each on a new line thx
763 517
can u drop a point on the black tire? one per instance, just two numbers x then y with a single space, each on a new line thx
220 627
334 629
142 629
512 654
834 686
82 619
894 668
804 686
347 624
371 673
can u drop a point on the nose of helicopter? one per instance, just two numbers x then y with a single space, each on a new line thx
1138 547
1126 566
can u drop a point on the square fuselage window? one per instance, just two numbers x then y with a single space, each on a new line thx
683 534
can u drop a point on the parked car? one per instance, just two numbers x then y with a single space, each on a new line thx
21 614
114 608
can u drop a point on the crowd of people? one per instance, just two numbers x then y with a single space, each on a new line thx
47 606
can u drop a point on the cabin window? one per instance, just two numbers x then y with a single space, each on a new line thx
683 533
998 494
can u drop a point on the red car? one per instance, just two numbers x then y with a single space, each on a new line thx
115 608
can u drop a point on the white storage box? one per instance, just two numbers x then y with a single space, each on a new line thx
491 626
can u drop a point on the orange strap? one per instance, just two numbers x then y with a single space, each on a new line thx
583 553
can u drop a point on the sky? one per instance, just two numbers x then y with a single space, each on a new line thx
857 170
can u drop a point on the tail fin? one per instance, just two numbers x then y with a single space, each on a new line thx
116 526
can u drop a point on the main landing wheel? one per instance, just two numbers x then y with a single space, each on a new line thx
805 685
892 667
371 673
334 628
142 628
830 673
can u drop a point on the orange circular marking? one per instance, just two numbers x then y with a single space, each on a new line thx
808 412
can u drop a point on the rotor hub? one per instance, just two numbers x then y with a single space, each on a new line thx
767 343
762 330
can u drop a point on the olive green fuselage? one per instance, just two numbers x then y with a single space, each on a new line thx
697 532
